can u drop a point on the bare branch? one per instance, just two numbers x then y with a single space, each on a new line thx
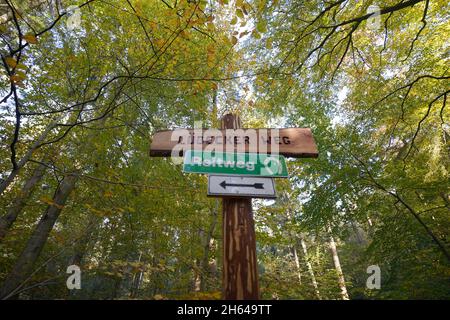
423 119
424 23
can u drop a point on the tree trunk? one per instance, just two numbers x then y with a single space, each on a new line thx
81 245
310 269
23 268
205 269
5 183
361 238
19 202
197 283
136 281
240 268
337 266
297 264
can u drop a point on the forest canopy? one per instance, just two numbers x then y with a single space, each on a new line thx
85 84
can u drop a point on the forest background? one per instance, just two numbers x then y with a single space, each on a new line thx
85 84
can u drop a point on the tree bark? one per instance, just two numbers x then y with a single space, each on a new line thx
240 269
297 264
240 273
19 202
23 268
310 269
197 283
337 266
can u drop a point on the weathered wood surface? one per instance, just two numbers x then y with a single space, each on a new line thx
290 142
240 267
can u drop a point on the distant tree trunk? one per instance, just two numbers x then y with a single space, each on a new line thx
197 277
310 269
27 156
127 281
359 234
297 264
82 244
19 202
446 199
337 266
369 221
205 268
80 248
24 265
136 281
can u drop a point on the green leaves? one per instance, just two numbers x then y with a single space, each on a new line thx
126 74
261 26
256 34
239 13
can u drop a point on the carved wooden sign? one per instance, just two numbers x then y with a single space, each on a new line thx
289 142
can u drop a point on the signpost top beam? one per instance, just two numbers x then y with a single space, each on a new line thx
289 142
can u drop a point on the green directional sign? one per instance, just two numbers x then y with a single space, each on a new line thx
249 164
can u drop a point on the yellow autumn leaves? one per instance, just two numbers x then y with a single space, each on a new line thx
50 202
241 15
19 69
31 39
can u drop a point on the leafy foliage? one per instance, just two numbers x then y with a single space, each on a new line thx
87 100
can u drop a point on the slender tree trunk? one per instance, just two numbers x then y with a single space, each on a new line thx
197 265
136 284
5 183
297 264
369 221
23 268
19 202
81 245
136 280
310 269
446 199
197 276
337 266
208 243
80 251
80 248
359 234
127 281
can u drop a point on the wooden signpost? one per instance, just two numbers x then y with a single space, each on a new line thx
289 142
240 267
248 179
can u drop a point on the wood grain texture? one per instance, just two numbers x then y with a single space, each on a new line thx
290 142
240 267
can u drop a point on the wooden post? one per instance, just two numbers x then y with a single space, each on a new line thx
240 268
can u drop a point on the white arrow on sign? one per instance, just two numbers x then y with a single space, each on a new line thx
241 186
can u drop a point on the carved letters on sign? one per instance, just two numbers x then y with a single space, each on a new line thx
291 142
